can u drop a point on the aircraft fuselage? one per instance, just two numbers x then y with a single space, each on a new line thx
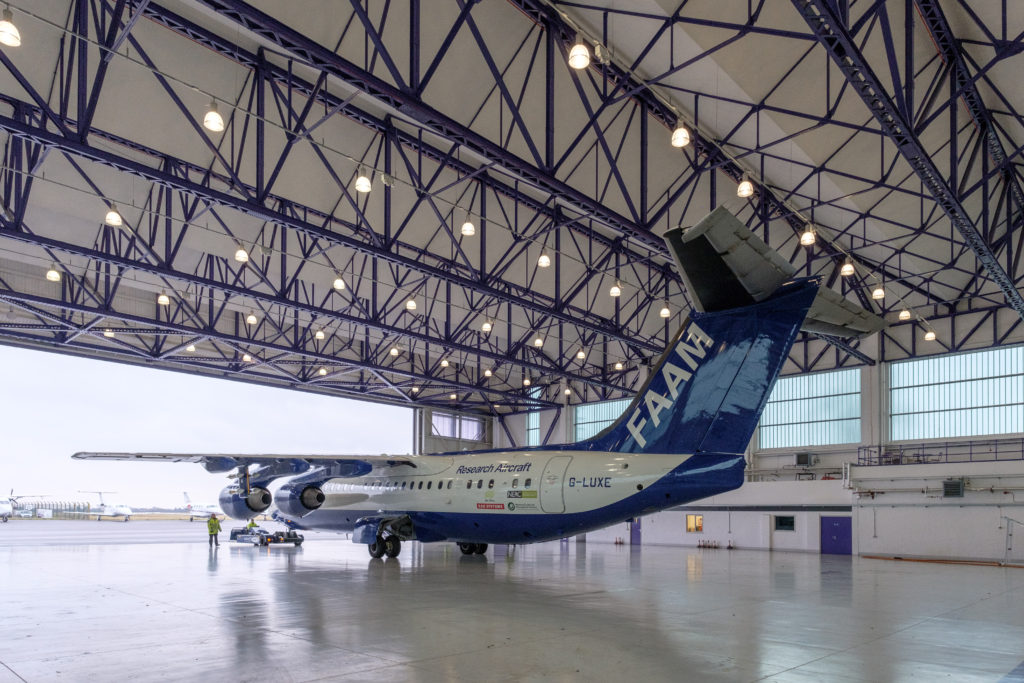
521 496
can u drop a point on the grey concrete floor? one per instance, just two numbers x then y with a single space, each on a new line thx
87 601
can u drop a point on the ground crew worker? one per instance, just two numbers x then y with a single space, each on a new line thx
252 524
213 526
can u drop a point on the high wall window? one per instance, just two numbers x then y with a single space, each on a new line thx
820 409
533 422
452 426
590 418
960 395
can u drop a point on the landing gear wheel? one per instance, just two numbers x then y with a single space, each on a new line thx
392 546
467 548
376 548
480 549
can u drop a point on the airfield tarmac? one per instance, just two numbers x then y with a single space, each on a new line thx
148 601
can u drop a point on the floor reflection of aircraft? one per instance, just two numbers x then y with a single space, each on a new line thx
683 437
107 509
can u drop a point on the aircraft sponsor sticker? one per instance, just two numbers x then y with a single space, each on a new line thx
521 494
521 506
490 506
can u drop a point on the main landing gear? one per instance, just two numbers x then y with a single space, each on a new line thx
385 545
473 548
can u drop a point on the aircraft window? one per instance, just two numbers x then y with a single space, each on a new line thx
450 482
515 482
403 485
480 483
469 484
528 482
421 485
428 485
490 484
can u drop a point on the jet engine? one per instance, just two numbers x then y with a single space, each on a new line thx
236 503
299 498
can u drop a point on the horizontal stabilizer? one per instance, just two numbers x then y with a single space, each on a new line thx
724 265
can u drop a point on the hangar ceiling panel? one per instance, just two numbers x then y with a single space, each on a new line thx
845 119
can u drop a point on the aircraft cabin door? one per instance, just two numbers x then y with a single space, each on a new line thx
552 498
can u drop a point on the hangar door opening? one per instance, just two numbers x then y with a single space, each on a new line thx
836 535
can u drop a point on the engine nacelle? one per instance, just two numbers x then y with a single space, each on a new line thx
239 505
298 499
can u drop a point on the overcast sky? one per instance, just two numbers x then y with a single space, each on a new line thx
53 405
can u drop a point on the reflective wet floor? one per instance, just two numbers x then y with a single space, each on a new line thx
158 605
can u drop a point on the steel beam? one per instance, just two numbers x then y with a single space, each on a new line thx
831 32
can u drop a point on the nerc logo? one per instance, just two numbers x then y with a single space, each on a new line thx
692 348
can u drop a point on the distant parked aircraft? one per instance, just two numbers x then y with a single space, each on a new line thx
8 506
202 510
107 509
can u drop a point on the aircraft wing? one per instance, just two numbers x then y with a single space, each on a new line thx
340 465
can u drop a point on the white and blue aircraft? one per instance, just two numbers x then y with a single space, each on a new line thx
681 439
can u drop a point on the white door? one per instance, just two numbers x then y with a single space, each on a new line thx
551 493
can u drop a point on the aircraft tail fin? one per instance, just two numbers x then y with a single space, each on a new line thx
707 391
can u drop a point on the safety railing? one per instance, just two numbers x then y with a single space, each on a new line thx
950 451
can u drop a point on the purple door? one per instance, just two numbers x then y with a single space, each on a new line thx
634 531
836 535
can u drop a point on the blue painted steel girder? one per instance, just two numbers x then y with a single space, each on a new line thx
830 30
49 139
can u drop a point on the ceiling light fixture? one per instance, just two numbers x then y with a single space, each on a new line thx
680 136
453 396
579 55
905 314
847 269
247 358
581 355
9 34
468 229
414 389
526 381
319 335
568 392
539 341
53 275
879 293
163 299
113 218
616 289
213 121
745 188
665 311
108 332
322 371
410 305
242 256
444 362
929 335
191 348
251 319
543 261
487 372
363 183
487 326
807 238
393 351
618 365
